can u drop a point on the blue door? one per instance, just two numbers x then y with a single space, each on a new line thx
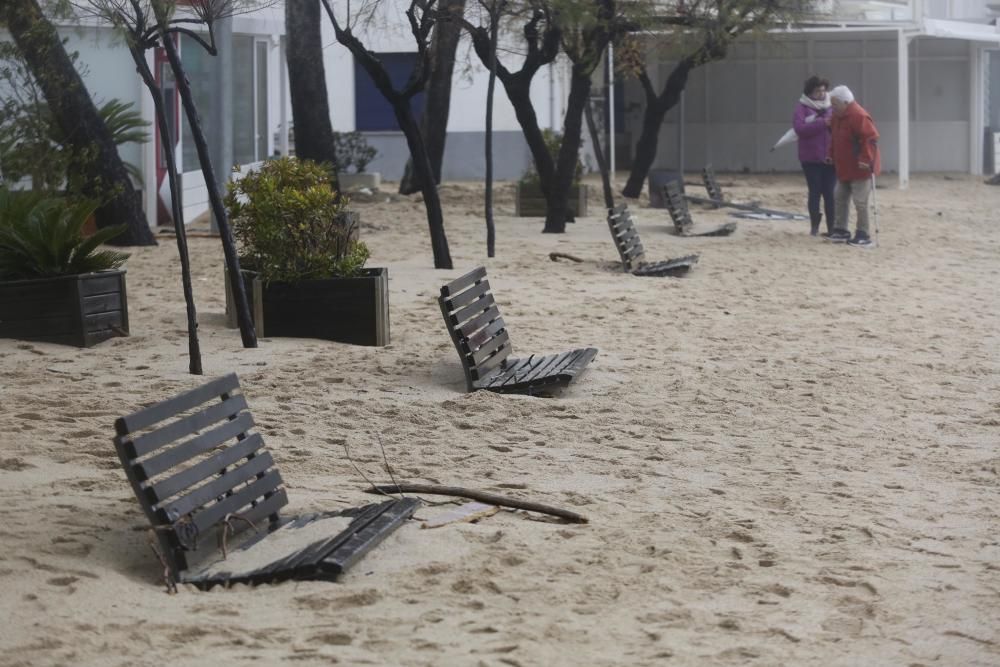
372 112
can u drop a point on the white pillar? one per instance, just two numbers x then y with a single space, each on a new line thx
903 57
283 97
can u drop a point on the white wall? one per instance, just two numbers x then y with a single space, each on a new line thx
737 109
388 32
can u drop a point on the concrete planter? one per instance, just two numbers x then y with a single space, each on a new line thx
80 310
347 310
529 202
349 182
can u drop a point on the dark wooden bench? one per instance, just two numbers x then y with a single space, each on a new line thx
681 214
711 184
633 255
204 480
483 343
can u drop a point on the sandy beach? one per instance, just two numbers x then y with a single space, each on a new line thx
788 457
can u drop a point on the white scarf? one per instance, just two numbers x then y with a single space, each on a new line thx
818 105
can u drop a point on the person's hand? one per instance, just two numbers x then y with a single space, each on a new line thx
865 166
828 119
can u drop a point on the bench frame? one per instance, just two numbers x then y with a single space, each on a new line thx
206 471
677 206
633 255
484 347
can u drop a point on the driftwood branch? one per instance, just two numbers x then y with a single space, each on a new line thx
561 255
481 496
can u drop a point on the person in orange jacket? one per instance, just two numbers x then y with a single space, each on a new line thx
855 157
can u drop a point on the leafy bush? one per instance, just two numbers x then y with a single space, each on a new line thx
291 225
42 237
553 142
31 143
351 149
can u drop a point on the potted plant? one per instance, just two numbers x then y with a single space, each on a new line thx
56 286
353 151
302 262
529 200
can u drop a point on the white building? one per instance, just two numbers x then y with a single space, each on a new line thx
924 69
933 105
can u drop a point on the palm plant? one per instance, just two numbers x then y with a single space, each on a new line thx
42 237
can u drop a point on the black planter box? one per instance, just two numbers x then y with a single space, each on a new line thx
347 310
80 310
529 202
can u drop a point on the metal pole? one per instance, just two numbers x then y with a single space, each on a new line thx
221 138
611 109
903 58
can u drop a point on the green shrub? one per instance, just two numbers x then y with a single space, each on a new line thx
352 149
42 236
291 225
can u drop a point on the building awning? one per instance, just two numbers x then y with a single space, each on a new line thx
973 32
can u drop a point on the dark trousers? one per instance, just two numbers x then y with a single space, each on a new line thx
821 179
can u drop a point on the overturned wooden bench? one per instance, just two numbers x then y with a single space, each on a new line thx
677 206
633 255
711 184
484 347
205 480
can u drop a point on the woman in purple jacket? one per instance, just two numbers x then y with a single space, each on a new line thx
812 126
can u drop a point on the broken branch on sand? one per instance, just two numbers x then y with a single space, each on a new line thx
481 496
561 255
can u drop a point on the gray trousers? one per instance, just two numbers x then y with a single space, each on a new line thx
858 192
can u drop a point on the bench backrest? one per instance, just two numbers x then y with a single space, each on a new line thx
475 325
677 205
626 237
195 466
711 184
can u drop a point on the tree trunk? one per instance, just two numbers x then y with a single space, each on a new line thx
490 87
558 195
105 178
177 210
404 117
434 123
518 92
247 332
602 164
657 107
422 166
307 83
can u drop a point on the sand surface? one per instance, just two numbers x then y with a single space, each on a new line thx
789 457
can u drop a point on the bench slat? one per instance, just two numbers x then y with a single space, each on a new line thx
485 335
485 368
180 403
468 296
213 514
460 283
220 486
489 348
160 463
459 317
185 479
478 322
144 444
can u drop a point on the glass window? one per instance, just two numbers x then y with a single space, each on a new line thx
198 67
244 105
